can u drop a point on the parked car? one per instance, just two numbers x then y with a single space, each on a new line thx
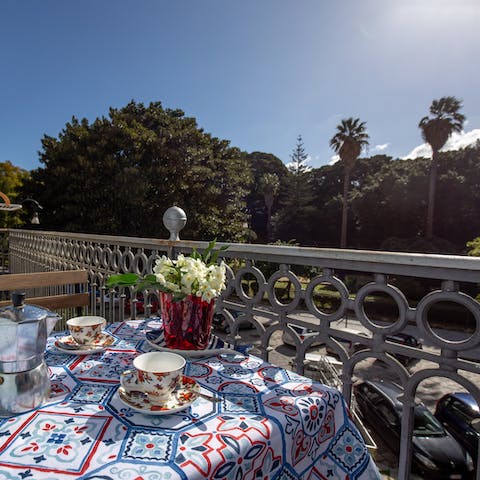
400 338
302 332
460 415
305 333
404 339
436 453
221 325
352 347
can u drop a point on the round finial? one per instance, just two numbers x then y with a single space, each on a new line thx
174 220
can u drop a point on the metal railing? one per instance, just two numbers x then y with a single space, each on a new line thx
279 288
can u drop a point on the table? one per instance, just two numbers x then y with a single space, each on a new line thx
270 424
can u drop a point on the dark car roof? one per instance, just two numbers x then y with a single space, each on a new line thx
390 390
402 338
466 398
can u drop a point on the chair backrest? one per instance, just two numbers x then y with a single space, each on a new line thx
65 289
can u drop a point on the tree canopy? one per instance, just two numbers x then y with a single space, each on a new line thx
12 179
445 119
119 174
349 140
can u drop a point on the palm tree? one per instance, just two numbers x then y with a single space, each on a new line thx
436 130
269 185
348 142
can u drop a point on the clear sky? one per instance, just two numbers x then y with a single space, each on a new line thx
255 72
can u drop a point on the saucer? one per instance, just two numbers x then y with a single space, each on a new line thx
182 397
156 339
67 344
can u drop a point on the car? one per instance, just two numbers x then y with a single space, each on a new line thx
436 453
400 338
352 347
305 333
221 325
460 415
407 340
302 332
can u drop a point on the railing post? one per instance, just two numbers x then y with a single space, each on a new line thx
174 220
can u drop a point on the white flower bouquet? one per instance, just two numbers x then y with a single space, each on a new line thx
197 275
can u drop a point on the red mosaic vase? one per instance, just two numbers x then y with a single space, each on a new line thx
186 323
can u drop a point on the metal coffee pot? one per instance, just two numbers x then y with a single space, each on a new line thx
24 379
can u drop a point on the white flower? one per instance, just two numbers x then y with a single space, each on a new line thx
208 295
190 276
173 287
184 276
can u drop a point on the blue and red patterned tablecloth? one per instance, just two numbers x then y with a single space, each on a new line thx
270 424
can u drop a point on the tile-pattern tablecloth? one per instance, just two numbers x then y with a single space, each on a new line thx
270 424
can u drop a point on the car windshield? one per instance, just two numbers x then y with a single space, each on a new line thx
426 424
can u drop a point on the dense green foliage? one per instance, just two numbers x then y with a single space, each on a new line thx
261 165
387 203
11 182
297 205
118 175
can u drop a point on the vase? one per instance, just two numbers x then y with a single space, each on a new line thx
187 323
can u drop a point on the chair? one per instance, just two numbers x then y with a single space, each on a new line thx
60 290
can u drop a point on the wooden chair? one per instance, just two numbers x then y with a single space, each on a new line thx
61 290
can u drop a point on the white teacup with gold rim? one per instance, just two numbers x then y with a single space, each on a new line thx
156 374
85 330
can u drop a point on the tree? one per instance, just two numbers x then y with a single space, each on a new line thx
293 220
269 185
299 158
11 181
436 130
119 174
260 164
348 142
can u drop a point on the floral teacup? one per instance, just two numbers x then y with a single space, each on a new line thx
87 329
156 374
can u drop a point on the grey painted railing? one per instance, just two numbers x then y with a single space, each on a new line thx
356 280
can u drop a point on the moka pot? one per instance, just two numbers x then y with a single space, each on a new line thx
24 378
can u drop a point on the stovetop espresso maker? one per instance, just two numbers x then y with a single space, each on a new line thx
24 379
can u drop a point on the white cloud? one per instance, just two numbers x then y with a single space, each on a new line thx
455 142
334 159
381 147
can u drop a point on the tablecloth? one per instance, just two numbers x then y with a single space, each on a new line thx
270 424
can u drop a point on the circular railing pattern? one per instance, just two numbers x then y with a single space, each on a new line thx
32 251
327 278
395 294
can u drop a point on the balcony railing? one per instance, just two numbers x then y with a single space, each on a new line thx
276 288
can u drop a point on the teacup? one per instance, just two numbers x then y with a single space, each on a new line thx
156 374
87 329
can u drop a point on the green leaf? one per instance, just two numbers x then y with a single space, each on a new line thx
122 280
177 297
150 278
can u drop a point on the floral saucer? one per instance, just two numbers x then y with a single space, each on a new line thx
67 344
182 397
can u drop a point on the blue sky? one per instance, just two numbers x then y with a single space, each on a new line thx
255 72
